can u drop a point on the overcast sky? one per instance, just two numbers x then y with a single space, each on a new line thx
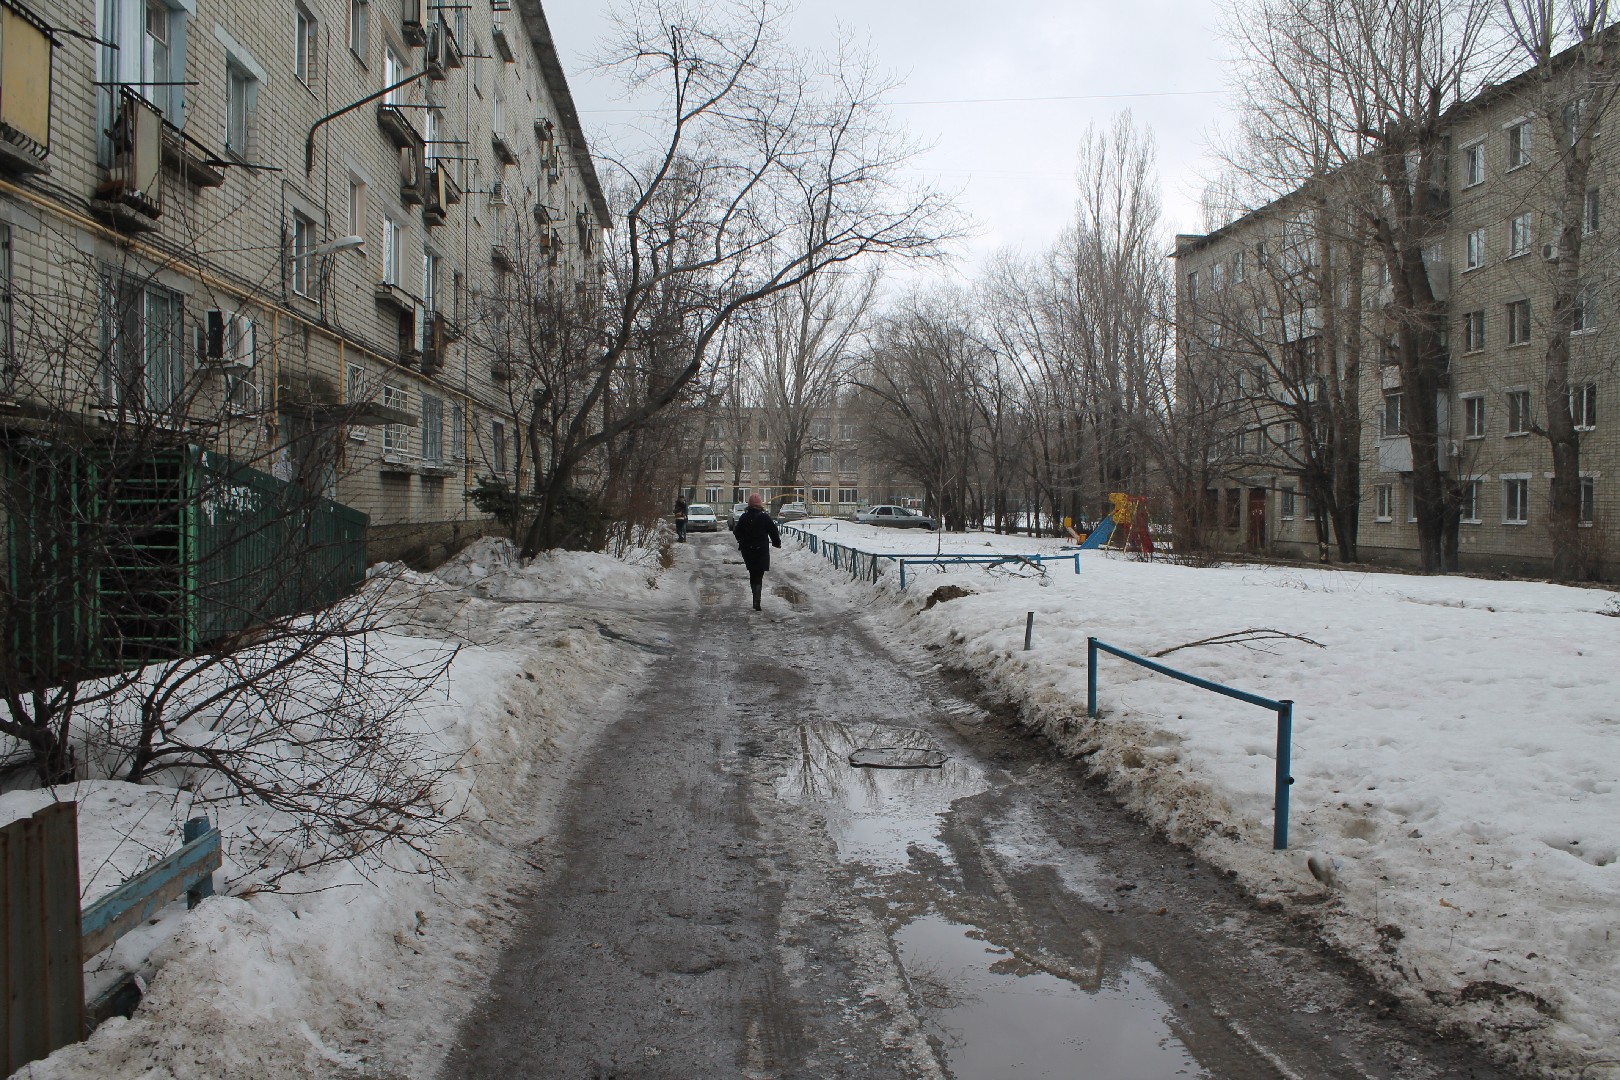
1012 162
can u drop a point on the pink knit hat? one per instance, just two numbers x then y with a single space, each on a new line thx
756 500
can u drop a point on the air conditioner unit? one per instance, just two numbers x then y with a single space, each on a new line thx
497 191
1549 252
229 341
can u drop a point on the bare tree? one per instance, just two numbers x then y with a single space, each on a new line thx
767 169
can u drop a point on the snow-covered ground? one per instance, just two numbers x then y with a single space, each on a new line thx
1456 752
333 973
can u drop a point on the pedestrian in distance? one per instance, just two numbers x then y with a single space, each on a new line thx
680 519
756 534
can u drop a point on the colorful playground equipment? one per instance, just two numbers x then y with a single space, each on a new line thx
1125 528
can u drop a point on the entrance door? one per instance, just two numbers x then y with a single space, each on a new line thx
1257 519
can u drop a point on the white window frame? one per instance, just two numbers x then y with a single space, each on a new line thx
1518 143
393 242
306 39
1583 316
1474 249
1474 416
1384 502
1519 417
355 393
359 29
396 437
432 429
1474 330
1469 510
358 197
1586 512
394 69
1521 234
1516 496
821 495
303 253
1519 331
1591 212
849 496
1583 399
714 461
1474 164
1287 503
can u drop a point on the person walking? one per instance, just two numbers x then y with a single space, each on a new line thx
756 534
680 519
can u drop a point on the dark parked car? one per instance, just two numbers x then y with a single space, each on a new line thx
793 511
895 517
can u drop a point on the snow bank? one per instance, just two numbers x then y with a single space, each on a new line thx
337 974
1455 747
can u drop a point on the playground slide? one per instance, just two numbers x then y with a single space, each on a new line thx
1099 536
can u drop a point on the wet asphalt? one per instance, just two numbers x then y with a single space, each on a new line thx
728 897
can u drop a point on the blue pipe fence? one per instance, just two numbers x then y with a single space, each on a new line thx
867 565
1283 708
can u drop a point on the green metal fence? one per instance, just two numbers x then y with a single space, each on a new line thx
114 563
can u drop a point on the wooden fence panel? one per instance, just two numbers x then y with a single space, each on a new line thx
41 974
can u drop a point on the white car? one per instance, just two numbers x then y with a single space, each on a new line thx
700 517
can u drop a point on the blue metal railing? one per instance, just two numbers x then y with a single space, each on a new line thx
866 564
1285 722
189 870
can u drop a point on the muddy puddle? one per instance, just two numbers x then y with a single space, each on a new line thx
995 1011
994 1001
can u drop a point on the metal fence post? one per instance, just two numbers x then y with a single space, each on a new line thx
1029 629
1091 676
902 575
196 828
1285 742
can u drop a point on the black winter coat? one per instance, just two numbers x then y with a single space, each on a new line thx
756 534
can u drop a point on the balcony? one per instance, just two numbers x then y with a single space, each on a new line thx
501 257
195 163
412 176
25 93
503 148
396 124
411 26
390 295
128 199
503 45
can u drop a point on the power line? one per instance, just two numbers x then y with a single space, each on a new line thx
1000 100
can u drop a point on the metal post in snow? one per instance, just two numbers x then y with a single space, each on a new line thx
1091 676
1029 629
1285 742
902 575
1077 562
195 829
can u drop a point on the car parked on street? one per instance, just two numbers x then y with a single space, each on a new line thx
895 517
700 517
737 510
793 511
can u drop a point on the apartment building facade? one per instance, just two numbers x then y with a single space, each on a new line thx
740 456
280 232
1492 267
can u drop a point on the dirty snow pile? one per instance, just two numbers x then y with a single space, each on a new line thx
1456 753
343 969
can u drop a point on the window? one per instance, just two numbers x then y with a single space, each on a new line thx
1518 144
1238 268
1588 509
145 48
430 281
1473 331
1234 507
1473 417
1474 250
303 253
714 461
1286 504
241 104
8 361
821 495
1468 504
821 463
848 497
432 120
1583 314
1215 270
357 206
821 429
1392 421
846 430
1518 322
396 437
304 45
458 432
360 28
1518 410
848 464
1583 406
712 495
1589 212
1474 164
393 71
1290 434
391 247
764 465
432 429
358 393
1515 500
497 447
1192 287
143 358
1519 235
1384 495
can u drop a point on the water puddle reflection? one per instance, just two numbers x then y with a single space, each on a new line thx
997 1013
874 815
